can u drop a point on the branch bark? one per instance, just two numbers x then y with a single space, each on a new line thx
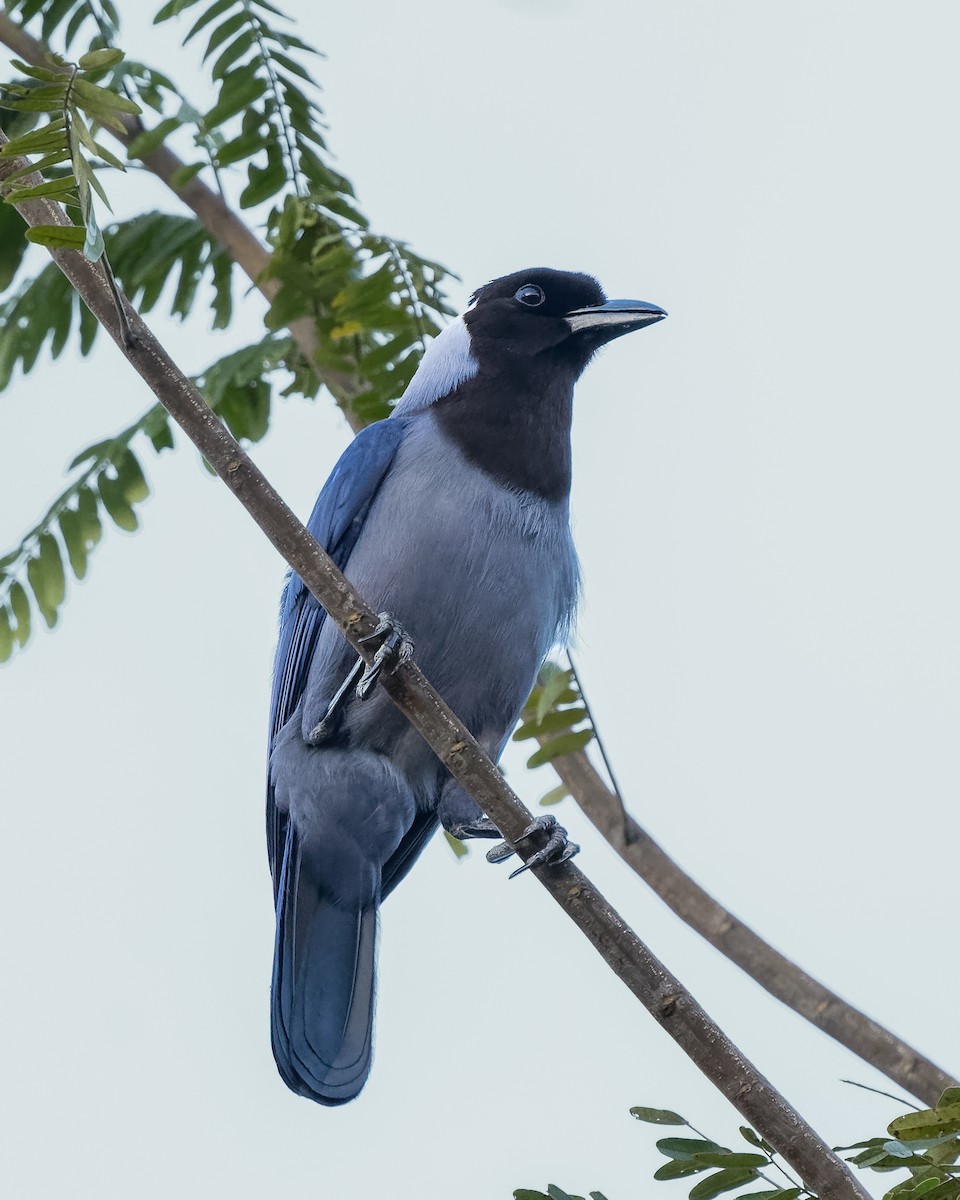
777 974
657 989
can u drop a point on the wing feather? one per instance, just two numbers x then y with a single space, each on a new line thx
336 522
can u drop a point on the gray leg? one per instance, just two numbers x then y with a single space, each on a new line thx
556 849
395 649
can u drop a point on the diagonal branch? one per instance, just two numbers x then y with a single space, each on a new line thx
659 992
781 977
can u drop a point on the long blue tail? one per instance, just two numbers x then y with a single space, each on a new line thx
322 996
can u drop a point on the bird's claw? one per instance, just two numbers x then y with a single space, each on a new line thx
394 650
557 848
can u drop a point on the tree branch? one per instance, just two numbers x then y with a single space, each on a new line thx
781 977
660 993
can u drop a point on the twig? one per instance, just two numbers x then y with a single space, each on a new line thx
660 993
781 977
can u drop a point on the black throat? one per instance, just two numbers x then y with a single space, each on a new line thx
514 424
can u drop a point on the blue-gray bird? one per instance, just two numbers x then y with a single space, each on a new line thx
452 516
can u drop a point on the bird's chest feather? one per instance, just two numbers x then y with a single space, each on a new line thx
483 578
457 556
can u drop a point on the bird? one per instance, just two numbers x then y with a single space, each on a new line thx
451 516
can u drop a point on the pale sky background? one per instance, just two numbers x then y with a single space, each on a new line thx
766 496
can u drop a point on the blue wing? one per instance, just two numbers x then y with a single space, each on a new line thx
336 522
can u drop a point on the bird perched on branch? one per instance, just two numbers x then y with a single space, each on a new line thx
451 516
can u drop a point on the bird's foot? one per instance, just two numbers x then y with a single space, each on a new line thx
556 849
394 650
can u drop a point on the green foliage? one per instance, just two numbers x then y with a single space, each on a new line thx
925 1145
111 484
266 115
371 300
552 1193
557 715
146 253
69 96
68 17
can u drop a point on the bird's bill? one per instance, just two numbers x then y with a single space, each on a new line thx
614 317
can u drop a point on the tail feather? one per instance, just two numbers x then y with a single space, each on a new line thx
323 986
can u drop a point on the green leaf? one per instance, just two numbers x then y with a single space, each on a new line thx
678 1169
656 1116
157 428
96 60
20 605
47 99
116 504
133 486
554 722
723 1181
172 9
71 527
46 577
553 682
6 636
182 175
751 1136
89 512
145 143
928 1123
209 14
567 743
769 1193
236 93
103 103
686 1148
53 187
38 141
733 1159
264 183
40 73
458 848
554 796
57 237
225 31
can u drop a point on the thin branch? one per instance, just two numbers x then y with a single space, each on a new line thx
781 977
659 992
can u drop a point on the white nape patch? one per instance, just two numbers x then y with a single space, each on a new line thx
448 362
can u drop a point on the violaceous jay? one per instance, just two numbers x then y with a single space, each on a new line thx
451 516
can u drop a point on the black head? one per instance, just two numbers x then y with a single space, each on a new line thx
500 380
562 314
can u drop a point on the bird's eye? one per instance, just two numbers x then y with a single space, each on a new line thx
530 295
